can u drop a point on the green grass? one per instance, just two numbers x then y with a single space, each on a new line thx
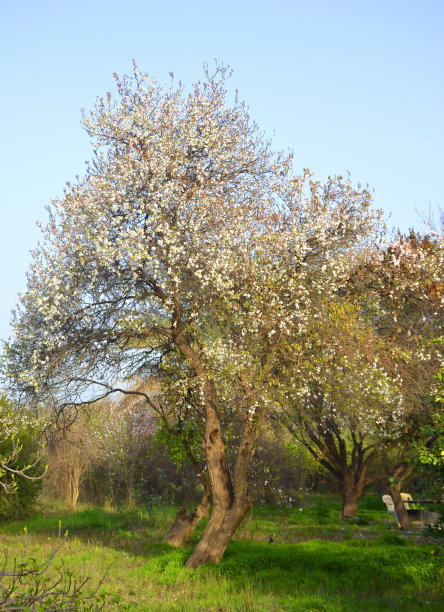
315 562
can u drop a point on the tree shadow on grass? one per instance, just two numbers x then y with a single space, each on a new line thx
357 575
364 575
133 531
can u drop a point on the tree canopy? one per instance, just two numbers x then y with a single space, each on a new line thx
189 248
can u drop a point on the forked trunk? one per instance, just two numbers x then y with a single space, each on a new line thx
400 509
231 500
348 463
185 524
217 535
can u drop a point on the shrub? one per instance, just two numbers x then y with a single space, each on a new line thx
21 502
21 468
30 585
371 502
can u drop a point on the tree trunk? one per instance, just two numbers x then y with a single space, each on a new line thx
185 524
217 535
231 499
403 517
73 488
396 475
352 490
350 499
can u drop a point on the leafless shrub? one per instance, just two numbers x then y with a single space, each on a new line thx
28 584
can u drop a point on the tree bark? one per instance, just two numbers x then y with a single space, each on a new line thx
230 496
73 487
220 529
403 517
350 499
396 474
231 499
352 490
185 524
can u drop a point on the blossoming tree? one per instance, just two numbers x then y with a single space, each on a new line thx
407 282
356 390
175 242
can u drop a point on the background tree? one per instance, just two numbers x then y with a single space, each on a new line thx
125 438
359 391
429 448
71 452
406 283
332 400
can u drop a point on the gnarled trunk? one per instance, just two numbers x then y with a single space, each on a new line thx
218 533
231 499
185 524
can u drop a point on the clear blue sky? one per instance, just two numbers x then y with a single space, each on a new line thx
347 85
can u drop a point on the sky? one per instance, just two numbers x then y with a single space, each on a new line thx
348 86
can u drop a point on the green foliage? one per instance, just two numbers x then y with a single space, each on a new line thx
392 539
20 449
371 502
22 502
179 438
430 450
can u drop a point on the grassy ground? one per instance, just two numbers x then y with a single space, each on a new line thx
314 562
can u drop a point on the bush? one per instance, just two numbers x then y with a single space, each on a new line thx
21 502
20 450
371 502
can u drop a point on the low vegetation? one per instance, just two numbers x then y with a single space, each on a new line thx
301 558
